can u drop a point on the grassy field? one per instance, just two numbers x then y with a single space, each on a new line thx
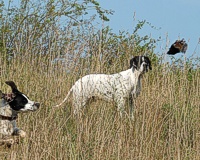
45 46
166 116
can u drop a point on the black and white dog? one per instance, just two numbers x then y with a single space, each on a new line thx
10 106
115 87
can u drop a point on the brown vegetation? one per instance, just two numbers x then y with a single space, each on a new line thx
165 126
44 59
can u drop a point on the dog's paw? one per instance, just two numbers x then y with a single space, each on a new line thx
7 142
21 133
10 142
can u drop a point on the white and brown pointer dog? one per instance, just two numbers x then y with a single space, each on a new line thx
10 106
115 87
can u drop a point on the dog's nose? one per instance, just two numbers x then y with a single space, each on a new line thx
37 104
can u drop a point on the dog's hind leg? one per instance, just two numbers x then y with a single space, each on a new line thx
120 106
78 105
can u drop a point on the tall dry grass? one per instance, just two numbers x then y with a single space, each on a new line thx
166 114
46 58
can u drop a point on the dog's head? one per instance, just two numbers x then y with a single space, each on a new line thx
17 100
141 63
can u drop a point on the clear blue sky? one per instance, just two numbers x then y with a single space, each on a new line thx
175 19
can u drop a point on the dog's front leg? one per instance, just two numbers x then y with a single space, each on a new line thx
120 105
19 132
131 105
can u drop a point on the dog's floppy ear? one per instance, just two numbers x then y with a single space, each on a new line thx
149 62
12 85
133 62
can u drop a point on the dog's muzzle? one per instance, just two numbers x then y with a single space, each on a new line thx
35 106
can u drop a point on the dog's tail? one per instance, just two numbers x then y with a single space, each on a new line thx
68 94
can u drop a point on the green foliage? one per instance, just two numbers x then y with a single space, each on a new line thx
62 28
41 22
112 49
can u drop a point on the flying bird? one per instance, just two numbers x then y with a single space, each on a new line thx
177 47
